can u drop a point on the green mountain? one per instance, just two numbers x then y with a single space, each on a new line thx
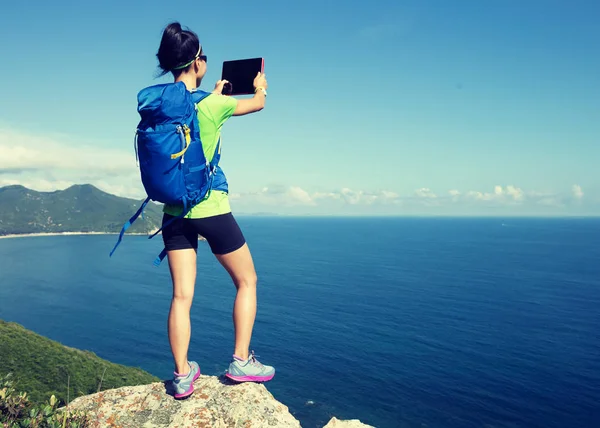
80 208
43 367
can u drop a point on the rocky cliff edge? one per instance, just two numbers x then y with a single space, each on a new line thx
216 403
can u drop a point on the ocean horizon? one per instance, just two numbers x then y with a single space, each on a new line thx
399 321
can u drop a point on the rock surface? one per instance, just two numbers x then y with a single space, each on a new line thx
353 423
216 402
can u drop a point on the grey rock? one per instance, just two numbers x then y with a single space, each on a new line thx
352 423
216 402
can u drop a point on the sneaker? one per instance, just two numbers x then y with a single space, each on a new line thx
249 370
184 385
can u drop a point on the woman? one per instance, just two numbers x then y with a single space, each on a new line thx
181 54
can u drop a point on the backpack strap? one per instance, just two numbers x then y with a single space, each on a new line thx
216 156
184 211
139 212
163 253
198 95
160 257
186 139
129 223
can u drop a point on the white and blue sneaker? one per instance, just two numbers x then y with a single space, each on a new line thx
249 370
184 384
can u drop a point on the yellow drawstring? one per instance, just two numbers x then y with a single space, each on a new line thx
188 139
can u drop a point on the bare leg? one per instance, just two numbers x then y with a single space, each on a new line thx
240 266
182 264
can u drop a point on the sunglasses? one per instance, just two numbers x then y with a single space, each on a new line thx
203 57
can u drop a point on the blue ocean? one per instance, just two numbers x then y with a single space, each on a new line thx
398 322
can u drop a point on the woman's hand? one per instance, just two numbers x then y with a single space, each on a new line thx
219 86
257 102
260 81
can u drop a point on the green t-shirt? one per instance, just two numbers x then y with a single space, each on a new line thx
213 111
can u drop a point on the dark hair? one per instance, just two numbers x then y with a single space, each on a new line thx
177 47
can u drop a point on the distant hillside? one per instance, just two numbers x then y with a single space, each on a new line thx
40 366
80 208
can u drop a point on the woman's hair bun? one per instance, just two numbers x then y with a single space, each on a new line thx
177 47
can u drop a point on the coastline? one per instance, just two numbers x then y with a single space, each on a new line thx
31 235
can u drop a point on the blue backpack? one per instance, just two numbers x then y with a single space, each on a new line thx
169 152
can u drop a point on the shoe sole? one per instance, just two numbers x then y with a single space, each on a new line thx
250 378
191 390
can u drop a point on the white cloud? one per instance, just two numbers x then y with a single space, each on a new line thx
41 185
275 196
385 194
515 193
348 201
357 197
479 196
327 195
425 192
510 194
46 163
577 191
350 196
281 197
20 151
454 195
300 195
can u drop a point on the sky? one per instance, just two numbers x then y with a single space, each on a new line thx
374 108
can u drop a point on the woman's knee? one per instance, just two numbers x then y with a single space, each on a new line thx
247 281
183 298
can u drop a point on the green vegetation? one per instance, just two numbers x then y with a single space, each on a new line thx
16 410
43 367
80 208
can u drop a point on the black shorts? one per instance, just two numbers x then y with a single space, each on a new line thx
221 232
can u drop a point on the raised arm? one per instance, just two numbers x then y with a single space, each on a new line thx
249 105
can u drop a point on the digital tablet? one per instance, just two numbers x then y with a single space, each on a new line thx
241 74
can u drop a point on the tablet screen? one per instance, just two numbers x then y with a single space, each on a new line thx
241 73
